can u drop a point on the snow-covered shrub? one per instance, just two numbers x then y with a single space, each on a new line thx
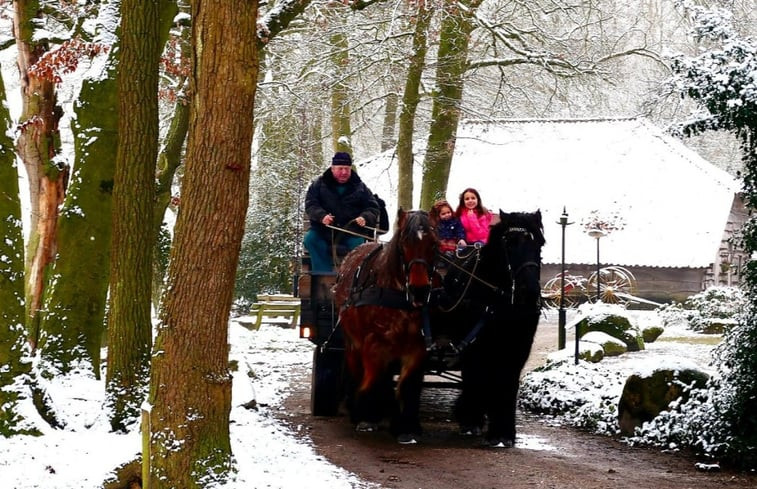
241 306
584 395
729 426
716 306
717 421
600 416
720 78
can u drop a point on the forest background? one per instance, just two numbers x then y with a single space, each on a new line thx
130 108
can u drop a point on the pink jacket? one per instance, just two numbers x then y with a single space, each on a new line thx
476 227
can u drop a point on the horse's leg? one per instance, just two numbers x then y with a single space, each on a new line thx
470 406
501 409
406 425
354 369
371 392
506 383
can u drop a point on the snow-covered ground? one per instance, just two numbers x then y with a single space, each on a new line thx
82 457
587 395
268 454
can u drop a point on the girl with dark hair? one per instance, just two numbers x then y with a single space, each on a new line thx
475 218
448 226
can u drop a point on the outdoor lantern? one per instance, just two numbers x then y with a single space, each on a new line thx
597 233
563 222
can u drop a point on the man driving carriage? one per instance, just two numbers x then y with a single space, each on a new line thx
335 201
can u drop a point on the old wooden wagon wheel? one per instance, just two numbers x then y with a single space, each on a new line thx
573 286
616 286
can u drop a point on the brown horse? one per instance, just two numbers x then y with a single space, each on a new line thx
382 292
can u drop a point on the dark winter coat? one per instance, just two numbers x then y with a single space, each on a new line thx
355 199
450 231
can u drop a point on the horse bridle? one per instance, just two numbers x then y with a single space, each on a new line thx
407 267
523 266
513 274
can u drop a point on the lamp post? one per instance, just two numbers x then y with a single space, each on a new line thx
597 233
563 222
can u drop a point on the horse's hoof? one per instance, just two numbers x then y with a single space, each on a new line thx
406 439
366 427
470 431
501 442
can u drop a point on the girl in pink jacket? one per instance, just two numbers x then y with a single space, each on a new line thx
474 217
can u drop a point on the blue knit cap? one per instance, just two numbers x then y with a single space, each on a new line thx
343 159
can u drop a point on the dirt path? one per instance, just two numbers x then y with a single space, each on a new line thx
544 457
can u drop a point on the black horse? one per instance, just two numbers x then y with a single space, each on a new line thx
490 310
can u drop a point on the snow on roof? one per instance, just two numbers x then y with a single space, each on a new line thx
674 204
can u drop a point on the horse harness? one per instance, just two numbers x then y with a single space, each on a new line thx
489 309
365 292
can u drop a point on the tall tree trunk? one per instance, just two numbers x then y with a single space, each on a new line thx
390 121
169 161
38 144
129 324
410 99
454 38
13 346
72 324
341 128
190 388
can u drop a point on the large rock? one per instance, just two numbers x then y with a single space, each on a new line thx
716 325
610 345
587 351
651 333
645 395
615 325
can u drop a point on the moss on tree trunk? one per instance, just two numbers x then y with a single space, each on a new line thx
38 145
13 347
190 387
131 264
341 128
454 38
410 99
72 325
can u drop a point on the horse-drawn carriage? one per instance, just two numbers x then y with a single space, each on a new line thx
398 313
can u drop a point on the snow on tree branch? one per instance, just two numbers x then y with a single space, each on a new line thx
722 78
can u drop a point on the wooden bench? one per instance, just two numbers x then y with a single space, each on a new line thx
273 306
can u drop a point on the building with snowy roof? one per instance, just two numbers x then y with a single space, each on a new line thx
675 211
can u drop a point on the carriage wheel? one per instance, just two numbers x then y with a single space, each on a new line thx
550 293
616 285
326 382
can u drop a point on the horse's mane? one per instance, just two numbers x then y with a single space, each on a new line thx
389 262
492 257
529 221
